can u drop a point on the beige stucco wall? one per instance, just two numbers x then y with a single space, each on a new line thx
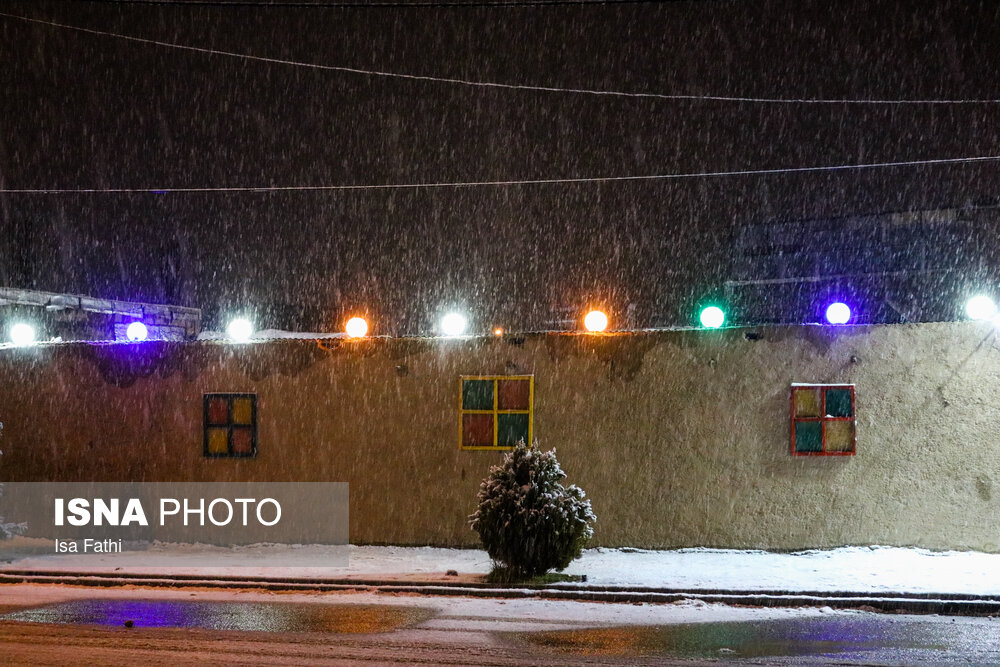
679 438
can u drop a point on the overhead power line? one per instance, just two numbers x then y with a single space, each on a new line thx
508 183
494 84
390 4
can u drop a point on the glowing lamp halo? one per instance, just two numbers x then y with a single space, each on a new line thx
22 334
240 329
595 321
838 313
136 332
356 327
453 324
981 307
712 317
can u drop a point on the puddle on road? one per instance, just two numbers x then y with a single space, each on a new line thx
800 637
247 616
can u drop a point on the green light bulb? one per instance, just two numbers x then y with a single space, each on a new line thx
712 317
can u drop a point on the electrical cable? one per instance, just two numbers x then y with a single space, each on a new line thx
497 85
392 4
506 183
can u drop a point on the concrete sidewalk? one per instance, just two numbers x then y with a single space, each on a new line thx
952 604
869 569
881 578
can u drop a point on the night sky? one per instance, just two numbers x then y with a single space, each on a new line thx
80 110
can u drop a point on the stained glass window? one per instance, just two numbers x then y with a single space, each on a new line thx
495 411
823 420
230 425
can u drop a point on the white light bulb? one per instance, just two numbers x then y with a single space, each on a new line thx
356 327
136 332
595 321
981 308
240 329
712 317
453 324
22 334
838 313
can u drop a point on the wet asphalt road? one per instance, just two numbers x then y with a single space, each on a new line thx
156 631
856 638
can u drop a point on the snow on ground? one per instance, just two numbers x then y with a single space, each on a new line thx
844 569
273 334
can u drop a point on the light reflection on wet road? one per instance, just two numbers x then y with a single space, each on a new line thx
846 638
869 638
213 615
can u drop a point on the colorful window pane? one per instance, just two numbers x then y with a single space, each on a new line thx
495 411
512 430
477 430
242 411
808 437
513 394
823 420
477 395
218 441
242 441
218 410
807 402
839 403
839 436
230 425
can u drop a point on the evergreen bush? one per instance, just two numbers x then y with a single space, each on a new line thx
527 520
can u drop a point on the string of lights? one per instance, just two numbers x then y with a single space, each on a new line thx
455 324
506 183
499 85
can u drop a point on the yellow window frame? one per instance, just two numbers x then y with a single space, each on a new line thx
496 412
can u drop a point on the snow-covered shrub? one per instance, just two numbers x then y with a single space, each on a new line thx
528 521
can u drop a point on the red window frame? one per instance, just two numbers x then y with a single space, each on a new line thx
823 419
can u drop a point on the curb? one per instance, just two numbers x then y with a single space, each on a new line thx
888 602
